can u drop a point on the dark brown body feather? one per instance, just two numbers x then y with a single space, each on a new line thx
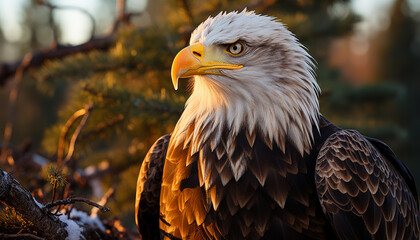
148 189
281 195
362 192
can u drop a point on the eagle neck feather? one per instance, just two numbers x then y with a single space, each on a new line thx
212 111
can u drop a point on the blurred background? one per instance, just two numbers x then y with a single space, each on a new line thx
93 91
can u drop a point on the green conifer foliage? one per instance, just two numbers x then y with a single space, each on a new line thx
133 101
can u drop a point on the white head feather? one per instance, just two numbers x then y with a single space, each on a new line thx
275 91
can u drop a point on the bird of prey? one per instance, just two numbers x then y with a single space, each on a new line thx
252 157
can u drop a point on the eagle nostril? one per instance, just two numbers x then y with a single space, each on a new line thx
196 54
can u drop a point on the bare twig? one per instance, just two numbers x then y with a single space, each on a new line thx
51 17
60 152
104 201
72 200
52 22
121 6
20 235
122 16
88 109
8 130
64 131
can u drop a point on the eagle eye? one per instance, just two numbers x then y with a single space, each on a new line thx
236 48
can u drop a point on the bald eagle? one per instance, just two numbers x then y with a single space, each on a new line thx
251 157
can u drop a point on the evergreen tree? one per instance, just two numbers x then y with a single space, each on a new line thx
127 99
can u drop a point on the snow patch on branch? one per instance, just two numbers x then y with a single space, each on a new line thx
83 218
40 205
74 231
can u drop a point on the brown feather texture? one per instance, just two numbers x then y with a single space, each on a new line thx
148 189
362 193
252 157
275 187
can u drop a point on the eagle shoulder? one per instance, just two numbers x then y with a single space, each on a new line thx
148 189
364 190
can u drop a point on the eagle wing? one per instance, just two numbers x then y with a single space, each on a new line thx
364 190
148 189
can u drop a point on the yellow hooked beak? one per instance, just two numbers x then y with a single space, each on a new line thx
194 60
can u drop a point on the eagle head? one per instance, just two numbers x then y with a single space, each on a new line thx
249 72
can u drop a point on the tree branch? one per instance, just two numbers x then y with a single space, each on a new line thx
122 16
72 200
44 223
60 152
51 20
72 144
59 51
13 195
104 201
52 23
83 112
39 57
64 131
